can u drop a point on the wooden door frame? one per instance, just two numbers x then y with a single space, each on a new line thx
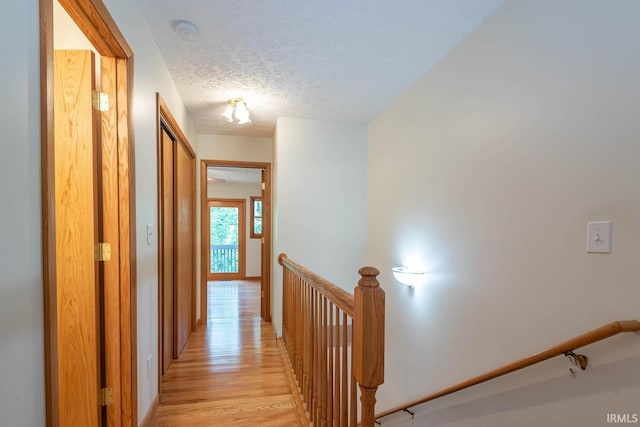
265 306
242 240
166 119
117 192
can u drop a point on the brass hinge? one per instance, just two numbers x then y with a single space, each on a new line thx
103 252
100 101
106 396
264 186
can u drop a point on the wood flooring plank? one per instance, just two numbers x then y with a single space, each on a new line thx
231 372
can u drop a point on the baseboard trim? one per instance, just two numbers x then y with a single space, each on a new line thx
303 416
146 421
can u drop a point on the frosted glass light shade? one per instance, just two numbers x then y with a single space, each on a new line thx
409 277
242 114
228 113
236 111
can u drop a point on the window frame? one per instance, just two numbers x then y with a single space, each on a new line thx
252 222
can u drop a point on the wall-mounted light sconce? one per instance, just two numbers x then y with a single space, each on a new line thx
237 112
409 277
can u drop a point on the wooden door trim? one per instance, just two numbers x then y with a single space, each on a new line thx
242 239
93 18
267 226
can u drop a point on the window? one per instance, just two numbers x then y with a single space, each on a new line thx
256 217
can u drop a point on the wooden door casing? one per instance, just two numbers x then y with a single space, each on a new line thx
115 196
266 233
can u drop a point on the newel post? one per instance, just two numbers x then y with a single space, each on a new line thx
368 341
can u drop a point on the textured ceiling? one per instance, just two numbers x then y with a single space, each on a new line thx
330 59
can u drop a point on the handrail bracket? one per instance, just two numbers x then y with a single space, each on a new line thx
410 412
577 359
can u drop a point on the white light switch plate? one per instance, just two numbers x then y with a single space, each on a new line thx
149 234
599 237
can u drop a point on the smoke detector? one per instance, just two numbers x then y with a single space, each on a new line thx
187 30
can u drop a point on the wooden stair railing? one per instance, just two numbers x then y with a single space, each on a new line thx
566 348
335 343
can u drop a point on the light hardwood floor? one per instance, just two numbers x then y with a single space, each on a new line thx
231 372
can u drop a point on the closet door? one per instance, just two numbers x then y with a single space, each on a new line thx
184 215
169 343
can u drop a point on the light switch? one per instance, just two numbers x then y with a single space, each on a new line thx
149 234
599 237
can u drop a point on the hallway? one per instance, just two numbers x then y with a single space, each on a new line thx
231 372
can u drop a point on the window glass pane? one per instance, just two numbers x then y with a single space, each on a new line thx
257 225
257 208
224 240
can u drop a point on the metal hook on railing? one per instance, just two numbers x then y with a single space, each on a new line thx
577 359
409 412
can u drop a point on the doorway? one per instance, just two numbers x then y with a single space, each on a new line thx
227 244
261 241
87 217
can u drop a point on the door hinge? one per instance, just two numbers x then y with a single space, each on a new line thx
100 101
103 252
106 396
264 186
262 294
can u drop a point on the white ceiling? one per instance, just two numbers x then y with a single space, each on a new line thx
330 59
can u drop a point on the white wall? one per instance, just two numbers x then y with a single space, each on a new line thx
487 171
21 318
228 148
150 76
242 190
319 201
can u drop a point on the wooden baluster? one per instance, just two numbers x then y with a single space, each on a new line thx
284 306
308 359
314 355
318 355
323 365
305 333
294 324
299 315
368 341
337 372
285 323
330 372
353 404
346 372
293 321
318 351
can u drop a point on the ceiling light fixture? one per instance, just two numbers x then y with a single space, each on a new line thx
237 112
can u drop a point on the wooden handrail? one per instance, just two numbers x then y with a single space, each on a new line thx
564 348
338 296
